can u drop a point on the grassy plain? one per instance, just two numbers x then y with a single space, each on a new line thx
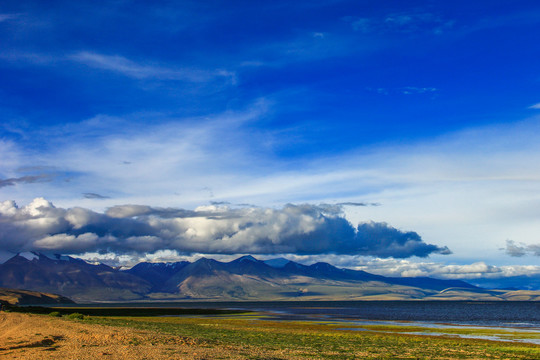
323 340
242 336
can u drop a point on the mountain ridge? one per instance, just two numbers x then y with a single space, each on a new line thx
71 277
245 278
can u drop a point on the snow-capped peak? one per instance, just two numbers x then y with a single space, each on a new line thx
32 255
29 255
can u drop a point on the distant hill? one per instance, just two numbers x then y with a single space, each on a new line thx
245 278
522 282
25 297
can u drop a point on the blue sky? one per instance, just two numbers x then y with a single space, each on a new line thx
425 114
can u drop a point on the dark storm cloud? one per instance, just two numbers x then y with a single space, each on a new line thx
29 179
349 203
299 229
94 196
519 249
382 240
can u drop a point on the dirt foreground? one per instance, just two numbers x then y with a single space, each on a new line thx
24 336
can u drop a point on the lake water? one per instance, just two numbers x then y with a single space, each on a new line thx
524 314
497 321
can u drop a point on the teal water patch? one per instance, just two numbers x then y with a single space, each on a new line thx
505 334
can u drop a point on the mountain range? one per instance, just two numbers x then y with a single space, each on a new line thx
245 278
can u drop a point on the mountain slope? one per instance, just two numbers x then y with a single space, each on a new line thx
156 273
25 297
323 270
245 278
70 277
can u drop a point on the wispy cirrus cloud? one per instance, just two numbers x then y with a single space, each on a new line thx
6 17
137 70
403 22
141 70
405 90
535 106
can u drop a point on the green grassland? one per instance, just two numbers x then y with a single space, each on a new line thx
324 340
257 334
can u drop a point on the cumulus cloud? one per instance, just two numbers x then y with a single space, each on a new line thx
59 242
137 229
477 270
520 249
414 268
407 268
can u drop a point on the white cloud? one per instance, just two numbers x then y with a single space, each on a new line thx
414 268
129 68
406 90
6 17
60 242
386 267
470 190
140 70
406 22
535 106
11 158
306 229
477 270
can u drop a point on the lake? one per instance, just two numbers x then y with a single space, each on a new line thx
524 314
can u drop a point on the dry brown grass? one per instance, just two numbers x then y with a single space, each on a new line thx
24 336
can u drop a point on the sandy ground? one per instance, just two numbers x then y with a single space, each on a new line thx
24 336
